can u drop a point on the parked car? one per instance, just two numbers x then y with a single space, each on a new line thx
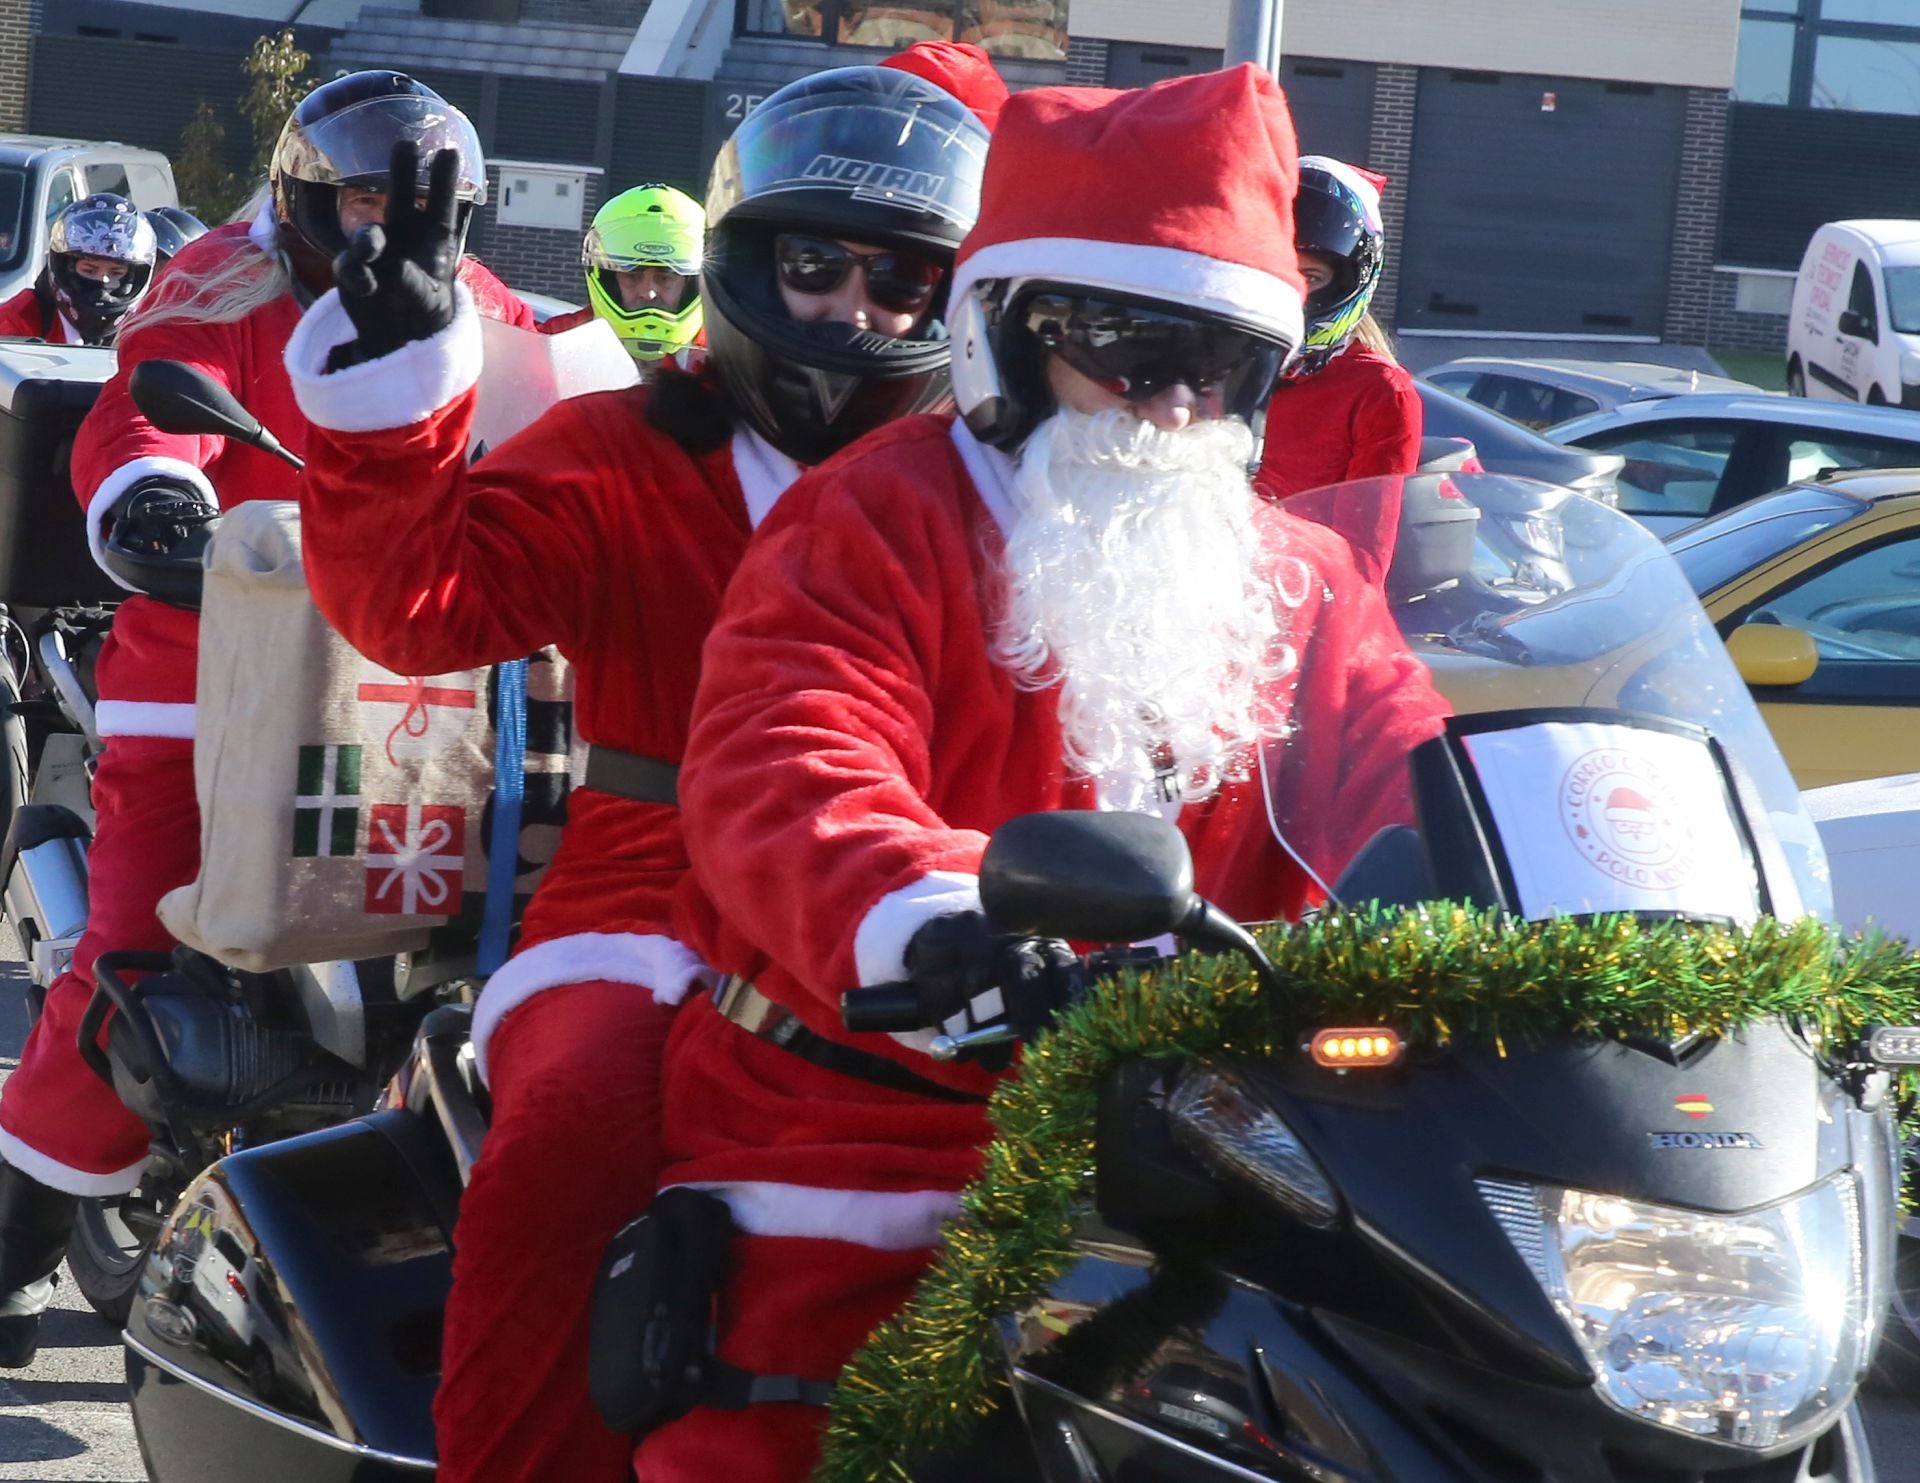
1853 334
1690 457
40 177
1544 393
545 306
1816 590
1505 447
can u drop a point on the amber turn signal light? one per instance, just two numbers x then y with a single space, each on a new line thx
1375 1046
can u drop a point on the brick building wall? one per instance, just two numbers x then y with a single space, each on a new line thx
544 260
1696 220
1730 327
1390 151
1086 62
16 59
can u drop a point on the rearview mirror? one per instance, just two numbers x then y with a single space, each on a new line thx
1853 322
179 398
1773 654
1093 877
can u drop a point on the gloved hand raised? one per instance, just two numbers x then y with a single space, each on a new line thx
396 280
971 977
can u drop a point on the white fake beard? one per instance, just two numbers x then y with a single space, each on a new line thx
1137 582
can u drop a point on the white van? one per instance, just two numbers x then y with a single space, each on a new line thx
1854 333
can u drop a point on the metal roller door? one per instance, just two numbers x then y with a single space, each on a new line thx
1332 102
1540 205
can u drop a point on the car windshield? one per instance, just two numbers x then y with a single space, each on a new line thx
13 216
1715 552
1903 299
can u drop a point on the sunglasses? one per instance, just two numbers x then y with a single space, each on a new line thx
1136 353
902 282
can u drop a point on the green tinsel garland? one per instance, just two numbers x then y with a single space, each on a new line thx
925 1378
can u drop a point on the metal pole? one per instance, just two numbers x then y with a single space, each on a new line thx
1253 33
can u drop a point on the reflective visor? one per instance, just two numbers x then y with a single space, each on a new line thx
1137 352
354 146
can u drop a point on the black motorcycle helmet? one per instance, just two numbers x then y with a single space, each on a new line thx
343 133
99 226
173 229
864 154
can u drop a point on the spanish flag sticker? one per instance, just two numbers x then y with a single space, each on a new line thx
1694 1104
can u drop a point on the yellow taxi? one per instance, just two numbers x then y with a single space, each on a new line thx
1816 590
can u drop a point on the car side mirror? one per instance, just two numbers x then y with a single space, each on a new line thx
1089 876
1773 654
1853 322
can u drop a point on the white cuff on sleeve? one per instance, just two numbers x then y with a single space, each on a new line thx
397 390
880 943
118 483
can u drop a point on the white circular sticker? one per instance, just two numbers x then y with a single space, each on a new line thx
1627 820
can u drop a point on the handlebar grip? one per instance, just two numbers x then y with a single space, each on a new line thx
882 1009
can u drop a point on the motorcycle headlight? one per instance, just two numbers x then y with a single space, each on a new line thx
1750 1328
1231 1127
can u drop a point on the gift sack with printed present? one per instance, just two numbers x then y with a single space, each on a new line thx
343 808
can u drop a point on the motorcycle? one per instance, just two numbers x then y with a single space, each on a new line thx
210 1058
1351 1301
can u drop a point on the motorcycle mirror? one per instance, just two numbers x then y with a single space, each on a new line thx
178 398
1088 876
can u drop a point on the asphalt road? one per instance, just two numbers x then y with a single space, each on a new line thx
66 1418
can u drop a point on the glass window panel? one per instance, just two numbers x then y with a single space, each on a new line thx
1763 71
1903 299
1814 454
897 25
1773 7
1865 76
61 194
13 201
1865 608
784 17
1671 470
1884 12
1017 28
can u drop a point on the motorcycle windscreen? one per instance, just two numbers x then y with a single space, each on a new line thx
525 372
1522 596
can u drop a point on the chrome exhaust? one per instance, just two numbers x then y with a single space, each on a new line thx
45 894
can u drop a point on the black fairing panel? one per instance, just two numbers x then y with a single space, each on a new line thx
305 1281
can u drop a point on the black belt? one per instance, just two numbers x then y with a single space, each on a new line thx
738 1000
630 775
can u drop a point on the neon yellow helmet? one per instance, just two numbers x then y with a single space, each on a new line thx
650 226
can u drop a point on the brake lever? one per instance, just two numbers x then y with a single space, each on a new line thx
952 1047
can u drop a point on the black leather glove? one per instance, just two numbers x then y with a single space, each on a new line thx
971 977
396 281
157 515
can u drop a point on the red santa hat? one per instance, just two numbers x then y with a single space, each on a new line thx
961 68
1180 192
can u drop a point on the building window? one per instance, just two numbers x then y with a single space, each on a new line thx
1867 76
1876 12
1007 28
1763 71
1772 7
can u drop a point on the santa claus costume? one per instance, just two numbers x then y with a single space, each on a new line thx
1345 409
30 315
609 528
227 307
874 706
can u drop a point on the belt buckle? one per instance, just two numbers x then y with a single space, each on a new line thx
738 1000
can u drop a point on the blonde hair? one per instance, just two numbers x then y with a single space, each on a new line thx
1372 337
228 289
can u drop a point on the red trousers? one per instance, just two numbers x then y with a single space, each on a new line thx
59 1122
838 1188
572 1155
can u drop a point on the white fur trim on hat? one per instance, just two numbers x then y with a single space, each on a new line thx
652 961
397 390
880 943
47 1170
172 719
118 483
882 1220
1250 296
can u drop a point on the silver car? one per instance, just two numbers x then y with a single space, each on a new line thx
1690 457
1543 393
